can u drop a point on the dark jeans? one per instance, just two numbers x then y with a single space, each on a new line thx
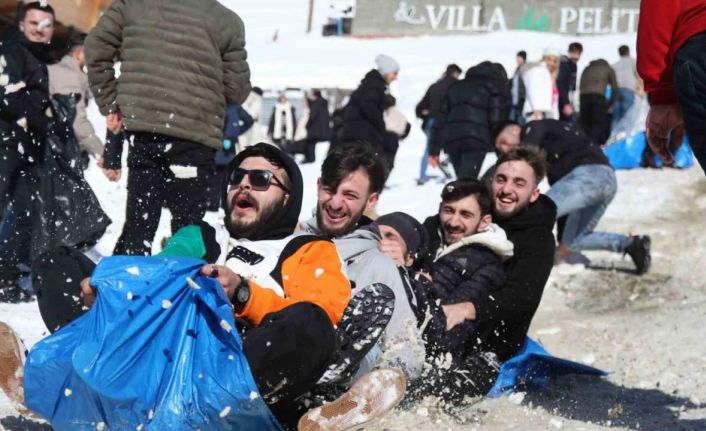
307 147
595 121
163 171
18 182
690 86
288 352
467 163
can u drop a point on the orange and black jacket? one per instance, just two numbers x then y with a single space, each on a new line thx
308 269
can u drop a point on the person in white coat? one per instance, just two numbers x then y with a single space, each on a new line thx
253 106
542 94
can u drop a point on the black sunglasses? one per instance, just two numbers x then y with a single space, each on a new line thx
260 179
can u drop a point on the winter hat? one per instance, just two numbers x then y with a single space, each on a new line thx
409 229
386 64
551 51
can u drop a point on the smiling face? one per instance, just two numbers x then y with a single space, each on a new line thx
248 207
339 210
37 26
462 218
514 188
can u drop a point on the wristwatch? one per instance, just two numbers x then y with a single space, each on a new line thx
242 295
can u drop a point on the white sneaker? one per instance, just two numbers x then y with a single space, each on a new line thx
12 355
369 398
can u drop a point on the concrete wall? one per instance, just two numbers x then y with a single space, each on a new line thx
416 17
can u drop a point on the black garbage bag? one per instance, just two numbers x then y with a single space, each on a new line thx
69 212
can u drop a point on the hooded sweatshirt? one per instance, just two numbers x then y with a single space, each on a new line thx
401 344
282 267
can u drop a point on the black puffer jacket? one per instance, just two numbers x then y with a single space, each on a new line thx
566 147
505 317
472 109
363 116
433 99
26 94
467 275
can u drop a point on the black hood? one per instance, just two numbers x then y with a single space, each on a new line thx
541 213
374 79
485 69
283 223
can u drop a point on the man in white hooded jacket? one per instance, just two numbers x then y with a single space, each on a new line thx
542 94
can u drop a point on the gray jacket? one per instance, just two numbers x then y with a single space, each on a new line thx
401 343
66 77
626 73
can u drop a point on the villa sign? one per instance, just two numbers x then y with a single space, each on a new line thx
582 17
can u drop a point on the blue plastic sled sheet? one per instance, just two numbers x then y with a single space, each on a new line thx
534 367
158 351
627 153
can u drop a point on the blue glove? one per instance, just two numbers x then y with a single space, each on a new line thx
227 144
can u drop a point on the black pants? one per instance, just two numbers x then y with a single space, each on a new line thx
467 163
307 147
178 175
690 86
595 121
18 182
288 352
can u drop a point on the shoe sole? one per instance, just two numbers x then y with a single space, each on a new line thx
11 365
361 326
373 395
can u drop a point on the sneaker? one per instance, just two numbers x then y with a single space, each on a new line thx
363 322
373 395
639 252
12 354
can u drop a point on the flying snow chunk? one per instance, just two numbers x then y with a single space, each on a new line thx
166 303
224 412
225 325
67 392
192 284
254 395
133 270
100 426
130 296
139 427
318 272
231 357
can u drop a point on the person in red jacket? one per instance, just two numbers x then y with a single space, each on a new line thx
671 59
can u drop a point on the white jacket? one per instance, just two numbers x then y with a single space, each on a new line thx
540 95
493 237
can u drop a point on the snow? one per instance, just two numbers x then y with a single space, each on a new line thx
645 329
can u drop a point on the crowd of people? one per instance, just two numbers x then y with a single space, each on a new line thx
326 304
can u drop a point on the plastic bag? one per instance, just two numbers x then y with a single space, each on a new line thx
156 352
534 367
626 153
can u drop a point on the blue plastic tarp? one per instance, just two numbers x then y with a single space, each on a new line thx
534 367
154 353
627 153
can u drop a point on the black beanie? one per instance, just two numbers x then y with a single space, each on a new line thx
410 229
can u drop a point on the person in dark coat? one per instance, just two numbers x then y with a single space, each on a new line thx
517 89
318 128
363 116
595 109
582 185
566 81
23 129
527 217
428 108
472 109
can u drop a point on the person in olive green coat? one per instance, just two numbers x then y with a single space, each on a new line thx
180 62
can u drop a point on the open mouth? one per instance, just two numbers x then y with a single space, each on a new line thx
506 200
245 202
335 217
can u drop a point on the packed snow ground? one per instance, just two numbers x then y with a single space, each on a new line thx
647 331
